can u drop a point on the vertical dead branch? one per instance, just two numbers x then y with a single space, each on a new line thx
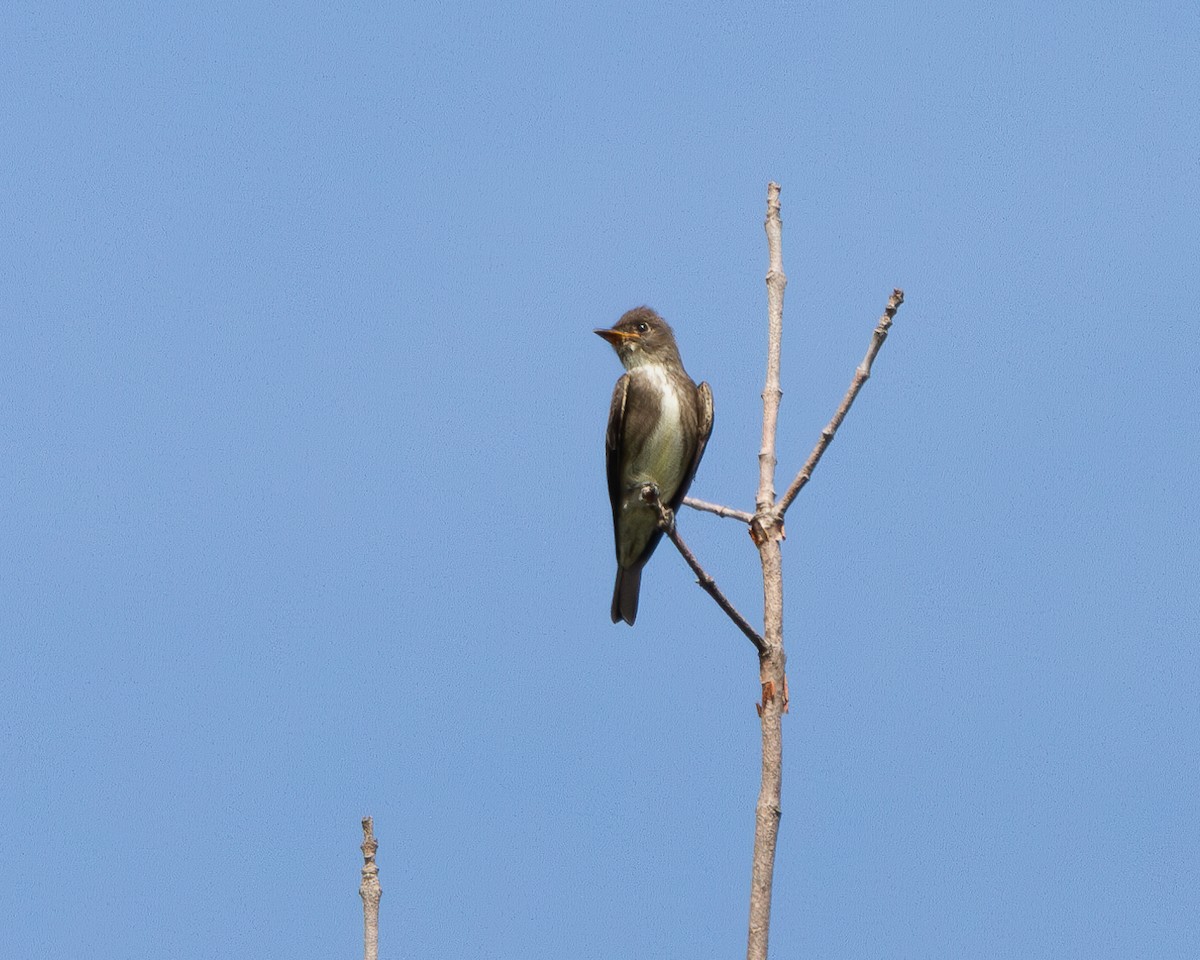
767 531
370 891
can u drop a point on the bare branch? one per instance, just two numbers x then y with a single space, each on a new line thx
767 531
861 375
370 891
719 510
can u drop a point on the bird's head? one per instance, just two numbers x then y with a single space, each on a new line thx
640 337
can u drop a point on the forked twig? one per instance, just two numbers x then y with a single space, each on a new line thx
766 529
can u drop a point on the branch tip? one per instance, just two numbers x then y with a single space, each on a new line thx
862 373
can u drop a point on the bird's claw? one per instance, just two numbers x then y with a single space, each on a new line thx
666 516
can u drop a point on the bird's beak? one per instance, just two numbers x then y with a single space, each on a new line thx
617 337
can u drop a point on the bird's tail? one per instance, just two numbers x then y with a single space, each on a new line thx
625 594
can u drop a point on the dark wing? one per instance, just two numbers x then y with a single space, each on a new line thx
612 442
704 414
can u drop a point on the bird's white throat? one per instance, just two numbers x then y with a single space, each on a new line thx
656 374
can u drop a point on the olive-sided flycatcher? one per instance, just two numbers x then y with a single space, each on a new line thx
658 426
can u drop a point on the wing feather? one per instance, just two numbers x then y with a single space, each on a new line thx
704 415
612 443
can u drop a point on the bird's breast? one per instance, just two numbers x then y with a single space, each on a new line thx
660 459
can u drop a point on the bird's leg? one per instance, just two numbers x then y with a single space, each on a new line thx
666 516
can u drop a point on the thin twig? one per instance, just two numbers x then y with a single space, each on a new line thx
719 510
370 891
666 522
861 375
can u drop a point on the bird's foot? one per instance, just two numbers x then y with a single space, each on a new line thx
666 516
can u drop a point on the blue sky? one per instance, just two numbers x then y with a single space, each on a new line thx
302 484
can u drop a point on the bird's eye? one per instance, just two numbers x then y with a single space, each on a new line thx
643 327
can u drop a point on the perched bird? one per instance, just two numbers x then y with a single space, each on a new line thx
658 426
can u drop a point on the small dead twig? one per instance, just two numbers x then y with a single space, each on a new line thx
719 510
861 375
